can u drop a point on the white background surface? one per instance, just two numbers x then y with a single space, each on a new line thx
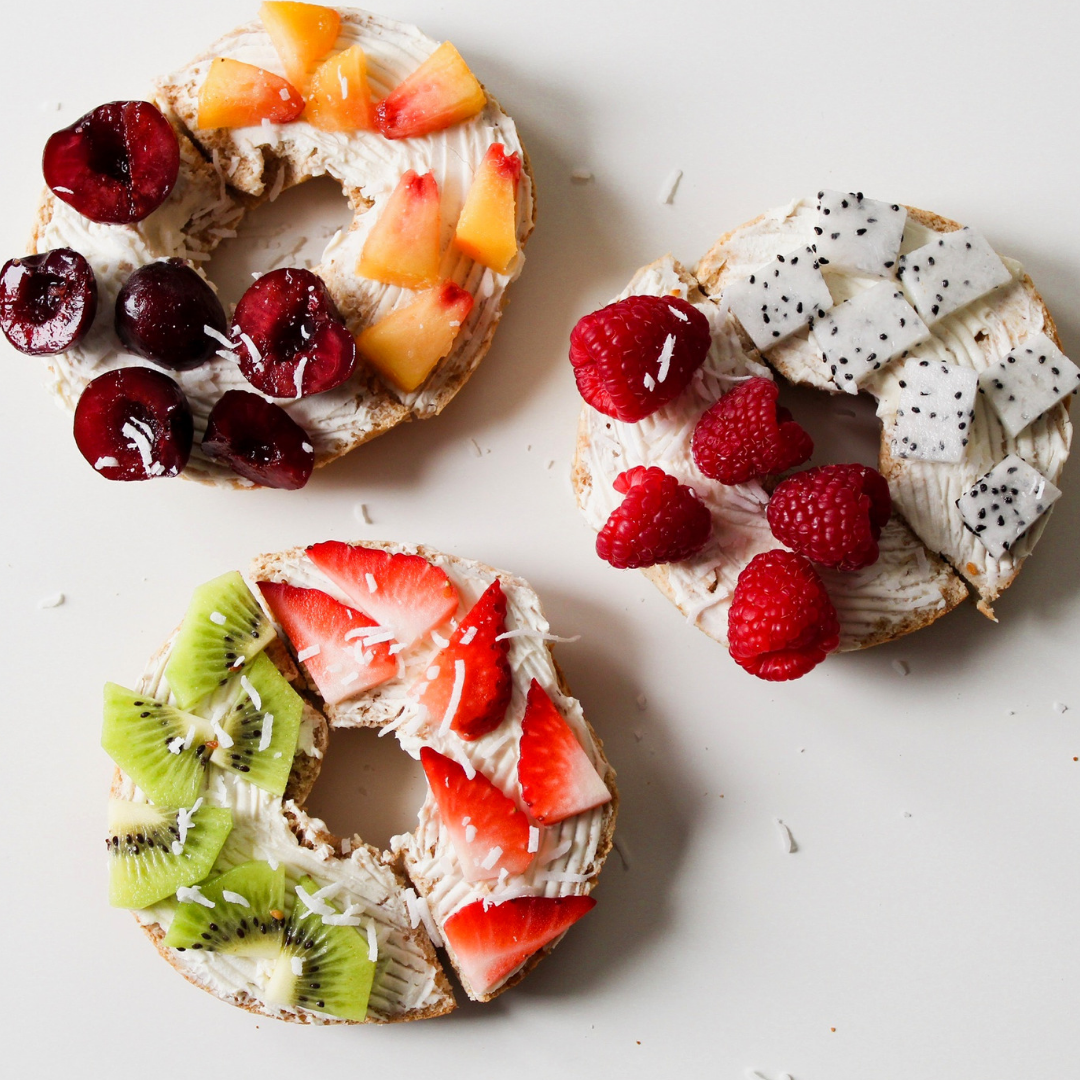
940 944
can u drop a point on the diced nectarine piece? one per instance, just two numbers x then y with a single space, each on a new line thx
403 246
405 346
236 95
440 92
339 97
487 228
302 34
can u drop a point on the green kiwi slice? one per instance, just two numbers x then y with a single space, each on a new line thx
153 851
322 968
246 918
224 628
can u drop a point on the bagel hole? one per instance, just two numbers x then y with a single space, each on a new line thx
844 427
368 786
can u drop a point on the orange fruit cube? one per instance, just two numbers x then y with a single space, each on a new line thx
301 33
235 95
339 97
487 228
403 247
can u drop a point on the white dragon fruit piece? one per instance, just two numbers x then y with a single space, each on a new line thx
1005 503
937 406
1031 379
860 335
950 272
780 298
857 234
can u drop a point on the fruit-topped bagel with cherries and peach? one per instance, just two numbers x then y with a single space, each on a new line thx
312 362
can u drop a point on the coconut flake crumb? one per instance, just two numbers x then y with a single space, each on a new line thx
787 841
217 335
372 584
52 601
372 941
217 618
256 698
107 462
476 448
279 183
1060 707
267 733
224 739
234 898
429 922
642 702
175 745
346 846
671 185
534 839
360 512
901 667
470 833
581 176
469 634
439 639
192 894
308 653
297 965
666 354
455 696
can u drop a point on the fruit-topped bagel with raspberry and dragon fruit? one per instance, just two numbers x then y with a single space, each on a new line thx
312 362
685 457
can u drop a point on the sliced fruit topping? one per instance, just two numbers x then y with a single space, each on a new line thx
405 346
490 942
259 441
153 850
236 95
404 593
240 912
557 778
468 683
440 92
403 246
489 833
115 165
487 228
301 33
289 336
134 424
634 356
162 313
223 629
339 95
324 965
47 302
343 650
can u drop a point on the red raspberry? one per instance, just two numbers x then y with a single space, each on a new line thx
634 356
659 521
833 515
746 435
781 622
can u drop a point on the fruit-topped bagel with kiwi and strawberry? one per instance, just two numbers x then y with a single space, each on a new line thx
688 468
312 362
218 746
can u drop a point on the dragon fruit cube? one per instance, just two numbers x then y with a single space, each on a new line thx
780 298
857 234
1005 503
1031 379
937 406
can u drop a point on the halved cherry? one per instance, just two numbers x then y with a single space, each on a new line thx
47 302
134 424
115 165
290 339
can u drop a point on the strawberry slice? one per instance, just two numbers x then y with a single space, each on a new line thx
339 647
471 684
404 593
557 778
490 943
488 831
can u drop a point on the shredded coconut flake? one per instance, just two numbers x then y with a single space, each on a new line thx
234 898
372 941
360 512
51 601
256 356
466 638
349 679
581 176
439 639
107 462
429 922
217 618
372 584
649 381
252 693
900 667
665 357
526 632
175 745
562 877
455 696
787 841
534 838
308 653
217 335
346 846
470 833
192 894
224 739
671 185
267 732
1060 707
297 965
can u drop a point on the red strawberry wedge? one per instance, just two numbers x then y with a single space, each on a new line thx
490 943
469 682
556 776
404 593
330 640
488 831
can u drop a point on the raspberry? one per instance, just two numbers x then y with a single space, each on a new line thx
634 356
781 622
746 435
832 515
660 520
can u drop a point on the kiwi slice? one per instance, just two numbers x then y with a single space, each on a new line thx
247 917
160 747
224 628
154 851
323 968
261 725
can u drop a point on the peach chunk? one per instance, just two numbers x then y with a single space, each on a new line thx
405 346
440 92
403 247
487 228
301 33
235 95
339 97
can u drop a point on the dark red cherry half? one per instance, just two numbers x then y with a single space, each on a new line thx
301 343
47 302
258 440
161 314
134 424
115 165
